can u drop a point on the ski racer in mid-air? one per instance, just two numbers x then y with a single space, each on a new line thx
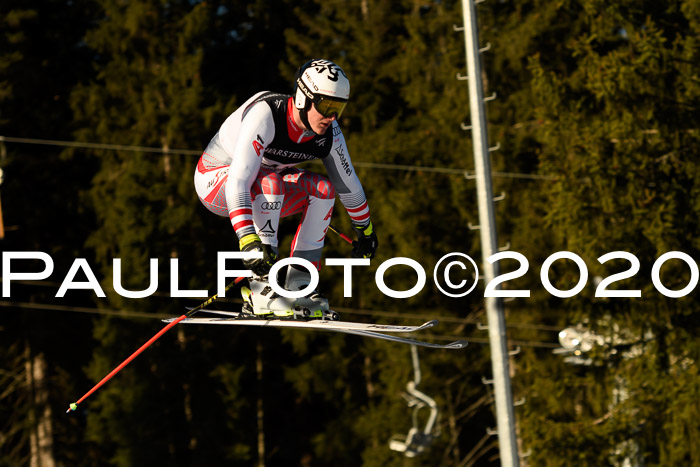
248 172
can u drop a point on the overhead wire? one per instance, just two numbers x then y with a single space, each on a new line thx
348 310
113 147
150 315
82 309
190 152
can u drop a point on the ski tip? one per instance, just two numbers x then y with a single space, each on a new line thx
72 408
458 345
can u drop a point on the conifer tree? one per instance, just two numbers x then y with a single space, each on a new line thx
166 75
612 124
147 92
405 109
43 211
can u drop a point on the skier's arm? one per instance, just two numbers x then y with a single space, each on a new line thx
347 184
352 195
256 131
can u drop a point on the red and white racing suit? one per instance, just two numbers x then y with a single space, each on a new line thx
248 173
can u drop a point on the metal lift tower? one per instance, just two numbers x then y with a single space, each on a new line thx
505 415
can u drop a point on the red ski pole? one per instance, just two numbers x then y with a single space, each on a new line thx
341 234
74 405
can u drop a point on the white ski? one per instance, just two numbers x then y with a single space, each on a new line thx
346 327
308 324
460 344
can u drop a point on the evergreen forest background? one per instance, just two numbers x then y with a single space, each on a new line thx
598 119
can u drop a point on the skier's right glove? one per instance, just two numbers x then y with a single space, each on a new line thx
366 244
260 266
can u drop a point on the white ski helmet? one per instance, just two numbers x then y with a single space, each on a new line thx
323 83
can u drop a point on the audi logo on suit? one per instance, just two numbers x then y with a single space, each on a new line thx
271 206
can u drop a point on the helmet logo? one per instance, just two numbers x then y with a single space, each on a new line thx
324 65
311 81
305 89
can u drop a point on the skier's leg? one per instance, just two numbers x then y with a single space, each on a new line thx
209 184
267 194
314 196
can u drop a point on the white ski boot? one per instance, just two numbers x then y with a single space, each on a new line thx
260 300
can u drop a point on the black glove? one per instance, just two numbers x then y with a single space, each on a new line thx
366 244
260 266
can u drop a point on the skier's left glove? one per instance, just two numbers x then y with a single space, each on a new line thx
260 266
366 244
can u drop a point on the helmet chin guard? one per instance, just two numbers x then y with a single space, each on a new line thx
303 104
